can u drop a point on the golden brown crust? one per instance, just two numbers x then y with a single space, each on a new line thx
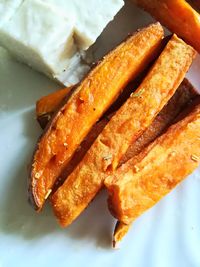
129 122
90 100
145 179
178 16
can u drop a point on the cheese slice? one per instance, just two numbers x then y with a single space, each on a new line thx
8 9
90 16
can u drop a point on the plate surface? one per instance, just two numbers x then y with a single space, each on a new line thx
167 235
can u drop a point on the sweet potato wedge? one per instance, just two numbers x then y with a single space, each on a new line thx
141 182
47 105
181 99
89 101
121 228
178 16
129 122
184 94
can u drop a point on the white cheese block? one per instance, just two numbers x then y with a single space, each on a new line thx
39 36
90 16
52 35
8 9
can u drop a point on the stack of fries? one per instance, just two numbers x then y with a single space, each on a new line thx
141 150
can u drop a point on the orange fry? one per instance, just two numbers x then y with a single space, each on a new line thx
87 104
126 126
141 182
184 94
178 16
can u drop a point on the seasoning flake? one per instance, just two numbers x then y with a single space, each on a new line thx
195 158
48 193
138 94
107 157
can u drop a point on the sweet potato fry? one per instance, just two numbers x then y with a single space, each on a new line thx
120 231
184 94
47 105
141 182
178 16
129 122
181 99
90 100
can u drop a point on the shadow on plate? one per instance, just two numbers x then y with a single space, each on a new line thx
20 86
19 218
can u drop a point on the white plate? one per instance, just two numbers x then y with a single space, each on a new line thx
167 235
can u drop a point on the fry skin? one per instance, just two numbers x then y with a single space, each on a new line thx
47 105
141 182
126 126
85 107
178 16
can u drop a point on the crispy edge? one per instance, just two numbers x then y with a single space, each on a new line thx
74 120
103 157
178 16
